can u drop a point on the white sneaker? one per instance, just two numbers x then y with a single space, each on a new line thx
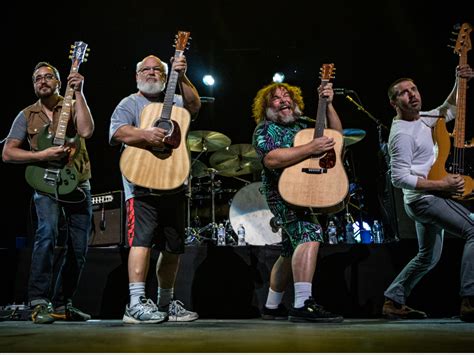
177 313
145 311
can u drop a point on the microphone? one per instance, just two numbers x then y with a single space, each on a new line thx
275 224
342 91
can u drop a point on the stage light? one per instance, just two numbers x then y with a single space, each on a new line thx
208 80
278 77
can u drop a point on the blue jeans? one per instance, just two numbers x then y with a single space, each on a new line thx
78 222
433 215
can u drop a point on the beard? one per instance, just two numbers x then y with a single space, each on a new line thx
45 92
150 88
274 115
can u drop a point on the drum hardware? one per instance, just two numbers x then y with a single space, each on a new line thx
194 235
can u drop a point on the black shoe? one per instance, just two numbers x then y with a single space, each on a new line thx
313 312
280 313
70 313
42 314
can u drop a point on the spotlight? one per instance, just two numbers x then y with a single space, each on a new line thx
278 77
208 80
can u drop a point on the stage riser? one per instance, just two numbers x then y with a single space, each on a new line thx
232 282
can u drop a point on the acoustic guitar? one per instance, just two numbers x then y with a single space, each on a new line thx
454 155
167 168
320 181
59 177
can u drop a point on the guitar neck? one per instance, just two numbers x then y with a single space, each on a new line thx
321 114
65 115
460 122
170 91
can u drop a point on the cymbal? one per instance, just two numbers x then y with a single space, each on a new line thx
207 141
352 135
237 159
199 169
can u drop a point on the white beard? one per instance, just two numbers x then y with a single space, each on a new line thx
275 116
150 88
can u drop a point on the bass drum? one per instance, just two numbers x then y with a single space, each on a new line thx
250 209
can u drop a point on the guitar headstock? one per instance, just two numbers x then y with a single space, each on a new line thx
327 72
181 40
463 42
79 53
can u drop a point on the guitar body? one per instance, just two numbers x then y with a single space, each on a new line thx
444 163
159 169
318 182
53 177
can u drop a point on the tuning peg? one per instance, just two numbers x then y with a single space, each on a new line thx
449 46
457 27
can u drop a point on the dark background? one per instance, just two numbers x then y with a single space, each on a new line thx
242 44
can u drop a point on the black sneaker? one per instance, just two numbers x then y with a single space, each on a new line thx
70 313
280 313
313 312
42 314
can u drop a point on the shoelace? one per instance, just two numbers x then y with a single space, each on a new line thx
149 303
176 307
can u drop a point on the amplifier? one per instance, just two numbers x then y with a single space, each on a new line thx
108 223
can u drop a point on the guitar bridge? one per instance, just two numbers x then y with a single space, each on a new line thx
314 171
51 176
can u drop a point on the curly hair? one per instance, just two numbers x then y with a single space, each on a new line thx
264 95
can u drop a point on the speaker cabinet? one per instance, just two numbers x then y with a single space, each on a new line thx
108 223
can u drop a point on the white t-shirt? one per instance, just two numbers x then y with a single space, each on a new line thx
412 150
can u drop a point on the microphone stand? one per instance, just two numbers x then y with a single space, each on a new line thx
380 125
383 146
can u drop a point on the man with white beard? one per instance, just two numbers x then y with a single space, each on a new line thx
153 217
277 110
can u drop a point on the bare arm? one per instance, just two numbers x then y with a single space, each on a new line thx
191 99
84 120
14 153
140 137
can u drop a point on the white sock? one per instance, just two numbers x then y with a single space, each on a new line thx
302 293
273 299
164 297
136 289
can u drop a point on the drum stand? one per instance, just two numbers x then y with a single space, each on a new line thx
195 235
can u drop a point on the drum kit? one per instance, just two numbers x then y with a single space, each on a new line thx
209 201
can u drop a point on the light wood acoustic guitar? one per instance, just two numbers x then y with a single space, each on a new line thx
59 177
320 181
167 168
454 155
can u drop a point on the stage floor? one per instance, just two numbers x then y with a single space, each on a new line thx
254 335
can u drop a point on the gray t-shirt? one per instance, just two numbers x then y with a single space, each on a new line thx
128 112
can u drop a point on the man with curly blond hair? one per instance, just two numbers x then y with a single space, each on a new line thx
277 109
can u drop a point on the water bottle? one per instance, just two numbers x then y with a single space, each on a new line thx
377 232
241 235
332 232
221 235
349 230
